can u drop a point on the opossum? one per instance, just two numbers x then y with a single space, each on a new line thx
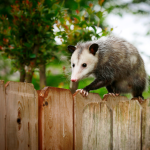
115 63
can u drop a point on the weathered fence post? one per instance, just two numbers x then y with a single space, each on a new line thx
2 115
55 119
21 116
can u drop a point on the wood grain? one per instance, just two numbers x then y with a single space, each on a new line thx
127 126
22 116
2 115
69 122
96 127
56 119
92 123
146 125
112 101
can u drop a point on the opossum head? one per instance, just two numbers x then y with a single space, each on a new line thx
83 61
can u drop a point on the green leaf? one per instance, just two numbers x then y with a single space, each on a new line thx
94 28
32 56
100 14
75 16
83 24
28 45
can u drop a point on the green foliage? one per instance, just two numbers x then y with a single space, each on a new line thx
29 35
5 69
81 23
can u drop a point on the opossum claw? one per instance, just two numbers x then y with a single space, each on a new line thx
87 93
82 92
78 90
112 94
117 94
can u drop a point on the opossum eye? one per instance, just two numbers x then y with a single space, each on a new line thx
73 65
84 65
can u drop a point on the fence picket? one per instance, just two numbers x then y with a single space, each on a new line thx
127 125
22 116
2 115
56 119
92 119
96 127
112 101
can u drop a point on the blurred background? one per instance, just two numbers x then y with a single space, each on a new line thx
34 35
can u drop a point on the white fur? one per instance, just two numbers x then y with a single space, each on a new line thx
133 60
79 72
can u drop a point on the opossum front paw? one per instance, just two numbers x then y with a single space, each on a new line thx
83 92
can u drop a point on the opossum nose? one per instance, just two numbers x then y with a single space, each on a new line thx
73 80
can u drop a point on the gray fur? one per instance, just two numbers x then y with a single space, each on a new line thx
119 62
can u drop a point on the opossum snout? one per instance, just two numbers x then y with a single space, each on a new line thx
74 80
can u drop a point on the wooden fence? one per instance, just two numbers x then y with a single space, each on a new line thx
54 119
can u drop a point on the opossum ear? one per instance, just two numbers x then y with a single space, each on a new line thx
93 48
71 48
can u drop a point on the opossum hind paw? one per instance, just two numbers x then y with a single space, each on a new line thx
83 92
140 99
111 94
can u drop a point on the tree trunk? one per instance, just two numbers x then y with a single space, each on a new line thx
31 67
42 76
29 74
22 74
73 86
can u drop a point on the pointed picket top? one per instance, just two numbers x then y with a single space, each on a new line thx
42 92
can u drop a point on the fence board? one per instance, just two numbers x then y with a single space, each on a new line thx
112 101
96 127
92 127
67 123
2 115
56 119
22 117
127 126
146 125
